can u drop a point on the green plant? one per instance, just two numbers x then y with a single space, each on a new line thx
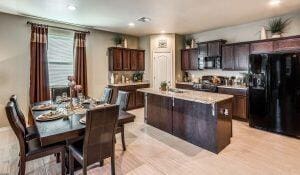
118 39
163 85
278 25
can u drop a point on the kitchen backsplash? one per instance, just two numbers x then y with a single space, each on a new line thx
219 72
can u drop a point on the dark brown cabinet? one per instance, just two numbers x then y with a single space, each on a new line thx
123 59
228 58
287 44
240 101
136 99
126 59
214 49
189 59
241 56
203 49
184 86
115 59
141 60
261 47
235 57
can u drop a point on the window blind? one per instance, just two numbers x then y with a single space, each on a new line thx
60 59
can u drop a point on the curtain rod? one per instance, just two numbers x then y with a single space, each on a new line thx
62 28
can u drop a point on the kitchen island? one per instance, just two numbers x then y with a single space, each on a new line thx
201 118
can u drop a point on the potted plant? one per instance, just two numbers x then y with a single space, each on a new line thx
118 40
188 42
277 26
163 86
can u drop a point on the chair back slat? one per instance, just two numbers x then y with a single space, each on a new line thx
122 100
16 125
100 133
107 95
19 112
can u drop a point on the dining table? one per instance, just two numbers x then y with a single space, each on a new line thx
64 129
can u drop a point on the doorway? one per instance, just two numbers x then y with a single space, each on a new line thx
162 68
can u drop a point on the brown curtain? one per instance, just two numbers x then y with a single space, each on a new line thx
39 80
80 60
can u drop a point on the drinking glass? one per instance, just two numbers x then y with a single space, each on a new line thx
80 97
64 95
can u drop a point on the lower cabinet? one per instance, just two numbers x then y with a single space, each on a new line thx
240 102
184 86
136 99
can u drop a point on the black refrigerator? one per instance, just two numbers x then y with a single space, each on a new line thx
274 93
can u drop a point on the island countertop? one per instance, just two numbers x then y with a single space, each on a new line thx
196 96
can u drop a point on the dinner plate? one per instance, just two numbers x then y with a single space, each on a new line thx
42 107
83 120
43 117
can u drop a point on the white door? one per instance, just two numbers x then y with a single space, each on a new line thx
162 68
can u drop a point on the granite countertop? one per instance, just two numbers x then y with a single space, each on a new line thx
129 84
190 95
235 87
182 82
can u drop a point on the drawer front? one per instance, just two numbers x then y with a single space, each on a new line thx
233 91
184 86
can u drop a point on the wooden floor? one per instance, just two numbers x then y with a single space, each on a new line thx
153 152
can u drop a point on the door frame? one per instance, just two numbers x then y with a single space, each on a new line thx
171 65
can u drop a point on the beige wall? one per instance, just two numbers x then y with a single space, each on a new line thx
244 32
15 60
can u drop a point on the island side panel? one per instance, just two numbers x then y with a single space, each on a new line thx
159 112
195 123
224 123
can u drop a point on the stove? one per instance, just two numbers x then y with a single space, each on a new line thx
209 83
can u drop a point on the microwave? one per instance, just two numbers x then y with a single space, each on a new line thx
210 63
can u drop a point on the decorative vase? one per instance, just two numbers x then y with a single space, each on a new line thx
276 35
187 46
119 45
193 44
125 43
263 33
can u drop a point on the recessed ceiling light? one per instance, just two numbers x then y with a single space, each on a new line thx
131 24
144 19
71 7
162 31
275 2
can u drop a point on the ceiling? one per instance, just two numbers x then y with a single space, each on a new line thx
172 16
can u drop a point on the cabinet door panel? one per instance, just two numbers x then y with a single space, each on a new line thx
185 63
134 60
139 99
193 58
214 49
203 49
227 58
126 60
141 60
115 59
241 56
240 106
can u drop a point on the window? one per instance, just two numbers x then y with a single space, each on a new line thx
60 59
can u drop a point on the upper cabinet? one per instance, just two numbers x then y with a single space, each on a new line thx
241 54
235 57
189 59
261 47
287 44
214 49
123 59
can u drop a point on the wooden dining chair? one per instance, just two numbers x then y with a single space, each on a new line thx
122 101
58 91
107 95
32 149
30 131
98 143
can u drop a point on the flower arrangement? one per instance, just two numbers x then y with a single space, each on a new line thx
118 39
277 26
73 86
163 85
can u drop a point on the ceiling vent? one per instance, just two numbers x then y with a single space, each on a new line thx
144 19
